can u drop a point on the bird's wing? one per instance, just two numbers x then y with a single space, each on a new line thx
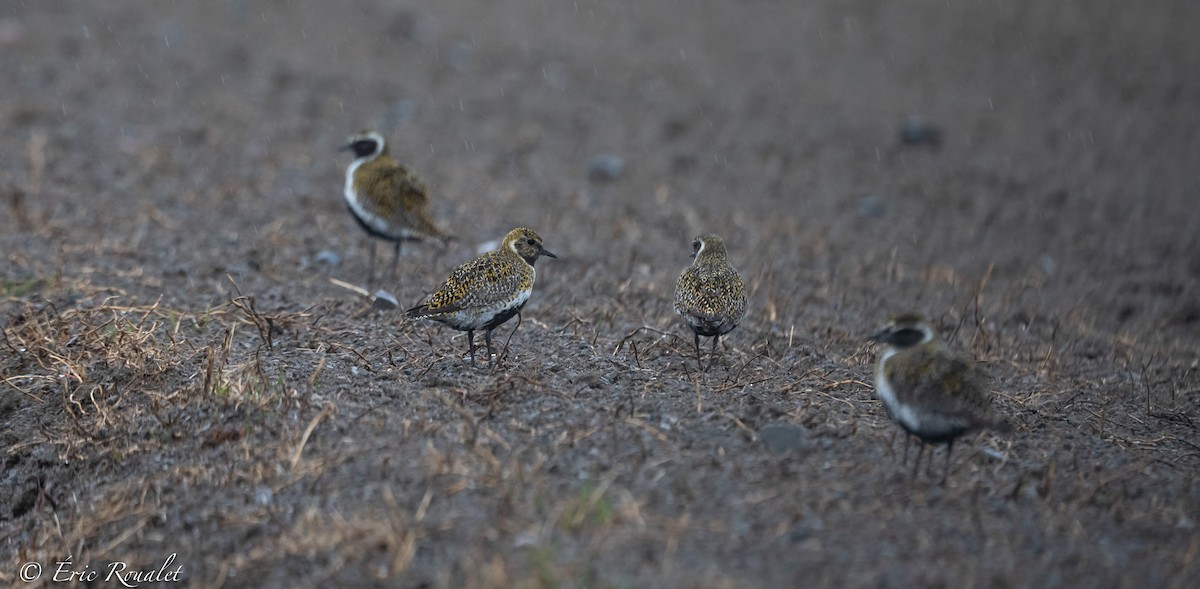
482 282
710 296
943 381
405 200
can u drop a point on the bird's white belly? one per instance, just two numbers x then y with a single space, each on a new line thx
374 221
901 412
477 317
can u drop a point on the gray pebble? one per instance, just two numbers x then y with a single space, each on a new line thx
871 205
605 167
917 130
805 528
263 495
328 257
780 438
384 300
1047 264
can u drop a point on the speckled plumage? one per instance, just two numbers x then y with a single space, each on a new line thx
710 295
487 291
935 393
386 199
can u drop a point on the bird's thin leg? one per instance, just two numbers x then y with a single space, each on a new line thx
946 473
487 338
471 344
917 464
395 262
370 263
712 359
504 350
699 360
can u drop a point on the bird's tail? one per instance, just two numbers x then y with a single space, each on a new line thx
417 312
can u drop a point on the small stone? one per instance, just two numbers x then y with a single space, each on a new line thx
605 167
263 495
11 31
667 422
1047 264
487 246
594 380
403 111
805 528
780 438
460 56
527 538
917 130
384 300
554 73
683 163
871 205
328 257
993 454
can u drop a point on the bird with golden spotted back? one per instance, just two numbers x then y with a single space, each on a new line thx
388 201
934 392
487 291
709 294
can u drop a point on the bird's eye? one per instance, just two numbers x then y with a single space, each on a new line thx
531 241
907 336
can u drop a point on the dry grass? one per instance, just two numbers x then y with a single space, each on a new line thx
112 383
235 405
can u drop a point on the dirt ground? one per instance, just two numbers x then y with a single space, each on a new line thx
184 379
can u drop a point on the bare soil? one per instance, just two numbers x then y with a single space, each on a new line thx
182 375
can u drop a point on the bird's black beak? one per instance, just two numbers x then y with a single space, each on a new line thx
346 147
545 252
879 337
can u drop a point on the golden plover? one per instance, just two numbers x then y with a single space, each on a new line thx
935 393
386 199
487 291
710 295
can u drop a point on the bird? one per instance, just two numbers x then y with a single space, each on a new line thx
934 392
487 291
386 199
710 295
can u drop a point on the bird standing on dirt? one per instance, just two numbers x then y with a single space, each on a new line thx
709 294
487 291
933 392
386 198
